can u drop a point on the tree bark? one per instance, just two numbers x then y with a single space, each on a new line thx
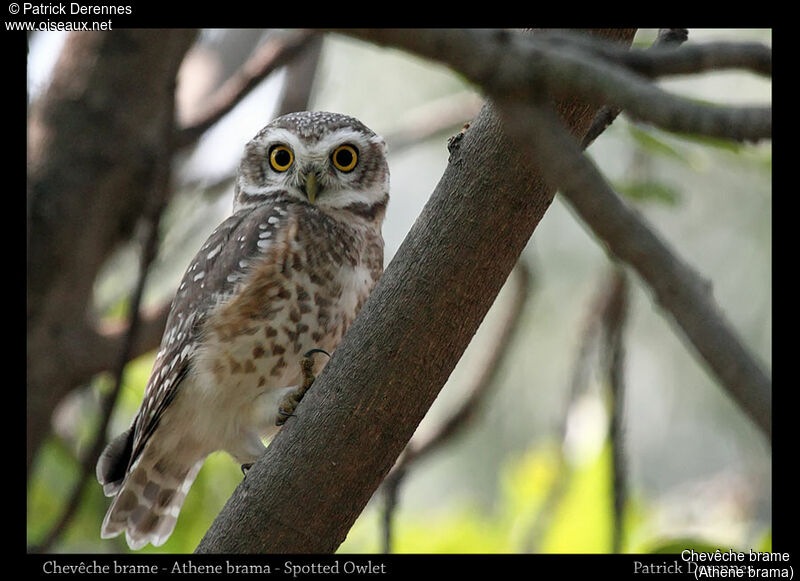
317 475
94 140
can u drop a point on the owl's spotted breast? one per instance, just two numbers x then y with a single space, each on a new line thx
313 271
300 292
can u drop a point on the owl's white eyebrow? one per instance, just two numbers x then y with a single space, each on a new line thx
341 136
280 135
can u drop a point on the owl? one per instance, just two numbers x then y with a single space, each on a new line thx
283 276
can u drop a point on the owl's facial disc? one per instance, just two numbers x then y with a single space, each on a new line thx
332 170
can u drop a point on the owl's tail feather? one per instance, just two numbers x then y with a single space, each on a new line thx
148 498
113 463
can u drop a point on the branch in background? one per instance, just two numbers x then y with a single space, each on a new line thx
519 67
608 113
660 60
434 118
614 321
697 58
421 446
391 492
152 218
299 79
104 341
677 287
604 308
274 53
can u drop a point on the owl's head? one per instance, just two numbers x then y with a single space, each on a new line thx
326 159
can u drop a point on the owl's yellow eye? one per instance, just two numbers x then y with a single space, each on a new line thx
345 158
280 157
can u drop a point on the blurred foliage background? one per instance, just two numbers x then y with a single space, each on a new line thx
533 471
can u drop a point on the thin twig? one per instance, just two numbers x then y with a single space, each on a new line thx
608 113
613 366
591 335
391 493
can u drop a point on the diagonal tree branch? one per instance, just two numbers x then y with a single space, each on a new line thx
322 468
269 57
514 65
475 397
676 286
300 74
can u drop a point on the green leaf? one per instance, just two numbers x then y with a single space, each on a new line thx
583 520
649 191
716 142
653 144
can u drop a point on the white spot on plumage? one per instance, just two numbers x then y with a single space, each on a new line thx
214 252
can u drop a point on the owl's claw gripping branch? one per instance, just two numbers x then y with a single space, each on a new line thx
290 402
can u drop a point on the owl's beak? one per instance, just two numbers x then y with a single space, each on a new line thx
311 187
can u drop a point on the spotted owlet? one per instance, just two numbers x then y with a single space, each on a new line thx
285 274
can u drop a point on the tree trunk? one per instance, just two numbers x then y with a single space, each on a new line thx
94 143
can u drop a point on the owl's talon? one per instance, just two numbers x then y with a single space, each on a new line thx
283 415
312 351
288 405
246 468
292 399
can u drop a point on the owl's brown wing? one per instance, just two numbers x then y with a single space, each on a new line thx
211 277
